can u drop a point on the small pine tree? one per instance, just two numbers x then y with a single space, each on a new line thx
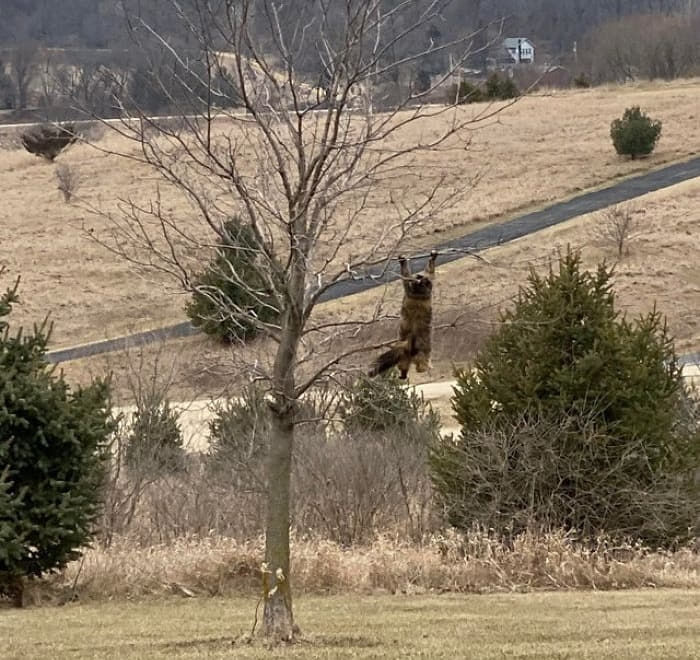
635 134
573 417
509 90
239 428
384 404
155 443
13 534
52 450
231 297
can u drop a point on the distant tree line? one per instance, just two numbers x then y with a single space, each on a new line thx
557 24
63 84
91 24
73 23
86 54
644 46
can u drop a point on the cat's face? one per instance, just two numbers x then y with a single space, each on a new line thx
420 286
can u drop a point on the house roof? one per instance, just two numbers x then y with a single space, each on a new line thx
512 42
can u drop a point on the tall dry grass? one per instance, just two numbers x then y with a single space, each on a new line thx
447 562
364 520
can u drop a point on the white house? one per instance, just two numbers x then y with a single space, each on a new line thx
519 50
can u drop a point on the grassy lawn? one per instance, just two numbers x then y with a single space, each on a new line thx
632 624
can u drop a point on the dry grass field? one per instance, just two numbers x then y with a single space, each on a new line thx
542 149
660 265
633 625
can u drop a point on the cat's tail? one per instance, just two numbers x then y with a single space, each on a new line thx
389 359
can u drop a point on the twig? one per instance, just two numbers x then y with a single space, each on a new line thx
255 617
75 581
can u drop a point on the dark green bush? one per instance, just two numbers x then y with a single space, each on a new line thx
582 81
48 141
501 88
52 458
464 93
635 134
573 417
498 88
382 404
231 298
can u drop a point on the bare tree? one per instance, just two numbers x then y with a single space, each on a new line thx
331 188
94 82
618 225
68 180
49 75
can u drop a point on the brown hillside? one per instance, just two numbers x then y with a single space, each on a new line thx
542 149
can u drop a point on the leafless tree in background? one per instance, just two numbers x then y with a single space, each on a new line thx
68 181
332 181
614 51
22 69
49 82
618 226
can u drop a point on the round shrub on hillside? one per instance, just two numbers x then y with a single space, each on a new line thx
573 417
501 88
49 141
52 450
635 134
231 298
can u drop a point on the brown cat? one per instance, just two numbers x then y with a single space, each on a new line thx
415 331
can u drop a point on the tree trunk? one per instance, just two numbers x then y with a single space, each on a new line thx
278 619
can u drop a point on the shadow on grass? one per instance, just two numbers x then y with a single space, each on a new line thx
200 644
341 641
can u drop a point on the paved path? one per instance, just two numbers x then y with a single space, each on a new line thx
490 236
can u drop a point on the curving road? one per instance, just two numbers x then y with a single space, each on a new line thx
490 236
